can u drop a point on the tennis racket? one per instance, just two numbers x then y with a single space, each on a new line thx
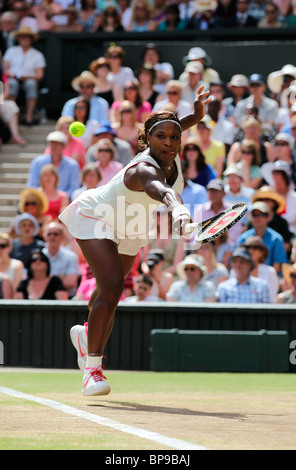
212 228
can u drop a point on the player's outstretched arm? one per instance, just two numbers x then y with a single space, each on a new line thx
202 98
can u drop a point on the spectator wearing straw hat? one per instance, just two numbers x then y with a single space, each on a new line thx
260 217
34 202
85 84
276 204
24 66
191 287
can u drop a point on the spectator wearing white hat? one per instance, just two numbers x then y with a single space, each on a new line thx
27 228
197 54
239 89
267 107
283 148
235 190
24 66
195 72
191 287
68 168
279 82
215 205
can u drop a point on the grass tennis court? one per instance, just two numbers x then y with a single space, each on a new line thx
216 411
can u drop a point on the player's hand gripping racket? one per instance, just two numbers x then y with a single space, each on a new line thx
212 228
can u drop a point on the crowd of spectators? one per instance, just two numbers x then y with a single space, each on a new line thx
243 150
111 16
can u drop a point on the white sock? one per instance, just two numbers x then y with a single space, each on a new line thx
93 361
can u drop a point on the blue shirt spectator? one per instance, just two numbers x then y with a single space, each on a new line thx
193 194
68 168
99 108
255 290
69 173
260 217
191 287
242 288
85 85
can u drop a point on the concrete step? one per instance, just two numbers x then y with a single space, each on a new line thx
5 223
13 178
12 188
38 148
8 199
11 167
8 211
15 160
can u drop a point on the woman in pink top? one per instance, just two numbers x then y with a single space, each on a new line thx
105 160
131 93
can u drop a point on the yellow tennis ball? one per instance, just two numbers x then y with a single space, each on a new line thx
77 129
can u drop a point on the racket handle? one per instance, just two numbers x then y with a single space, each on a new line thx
192 227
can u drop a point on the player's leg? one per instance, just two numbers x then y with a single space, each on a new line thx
79 333
109 270
105 263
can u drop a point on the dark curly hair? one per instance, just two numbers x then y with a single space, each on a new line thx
157 116
39 252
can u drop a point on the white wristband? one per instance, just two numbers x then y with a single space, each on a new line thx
180 212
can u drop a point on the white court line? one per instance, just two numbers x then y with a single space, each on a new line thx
138 432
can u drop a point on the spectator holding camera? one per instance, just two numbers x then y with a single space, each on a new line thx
154 268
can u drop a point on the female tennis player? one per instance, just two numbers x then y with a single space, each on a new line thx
103 222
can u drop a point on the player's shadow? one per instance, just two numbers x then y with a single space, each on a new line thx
127 406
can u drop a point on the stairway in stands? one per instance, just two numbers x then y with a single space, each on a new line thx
14 167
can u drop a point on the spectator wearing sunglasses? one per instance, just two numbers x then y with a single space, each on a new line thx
242 287
267 107
27 229
108 167
85 85
110 22
259 253
119 73
39 283
63 261
288 296
191 286
260 216
34 202
131 92
279 174
174 90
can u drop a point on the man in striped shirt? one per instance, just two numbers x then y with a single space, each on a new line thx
242 288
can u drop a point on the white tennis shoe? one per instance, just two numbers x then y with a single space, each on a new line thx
78 335
94 382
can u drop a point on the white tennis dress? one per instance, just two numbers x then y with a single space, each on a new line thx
115 212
